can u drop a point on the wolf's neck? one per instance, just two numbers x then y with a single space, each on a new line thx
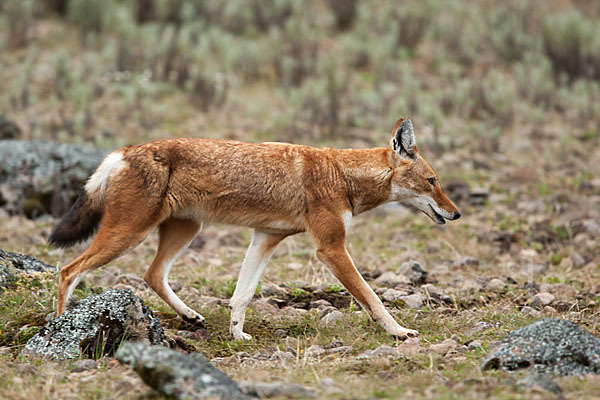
368 174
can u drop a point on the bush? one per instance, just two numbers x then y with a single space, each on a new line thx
508 30
497 96
572 43
344 12
19 16
410 23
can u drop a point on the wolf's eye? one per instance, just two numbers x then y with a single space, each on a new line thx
431 180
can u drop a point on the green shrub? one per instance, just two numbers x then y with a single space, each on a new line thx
508 30
572 43
344 12
18 15
534 79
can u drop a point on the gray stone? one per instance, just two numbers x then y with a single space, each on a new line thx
466 261
414 271
391 279
474 345
393 294
277 389
13 264
410 347
436 293
495 285
95 326
176 375
314 351
414 301
592 227
541 300
43 178
84 365
332 317
542 381
552 346
577 260
444 347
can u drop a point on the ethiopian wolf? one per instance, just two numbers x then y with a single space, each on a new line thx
277 189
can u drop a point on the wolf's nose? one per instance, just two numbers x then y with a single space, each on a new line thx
456 215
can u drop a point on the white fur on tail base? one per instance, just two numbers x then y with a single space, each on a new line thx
96 184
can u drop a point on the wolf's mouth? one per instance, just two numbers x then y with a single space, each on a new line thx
437 218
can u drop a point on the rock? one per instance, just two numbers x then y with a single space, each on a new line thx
577 260
176 375
332 317
551 346
281 355
391 279
12 264
381 351
96 326
271 289
84 365
478 196
541 299
43 178
444 347
541 381
314 351
414 271
8 128
474 345
410 347
277 389
495 285
531 311
466 261
436 293
393 294
414 301
592 227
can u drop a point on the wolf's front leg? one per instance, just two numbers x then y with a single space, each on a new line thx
259 252
329 234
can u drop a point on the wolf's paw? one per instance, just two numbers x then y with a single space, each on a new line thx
194 319
241 336
403 333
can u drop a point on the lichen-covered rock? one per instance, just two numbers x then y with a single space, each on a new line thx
43 178
178 376
95 326
551 346
12 264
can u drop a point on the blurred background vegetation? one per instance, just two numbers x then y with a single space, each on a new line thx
327 72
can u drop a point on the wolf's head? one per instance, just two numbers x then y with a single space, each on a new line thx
414 182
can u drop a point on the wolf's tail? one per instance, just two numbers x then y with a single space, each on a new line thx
83 218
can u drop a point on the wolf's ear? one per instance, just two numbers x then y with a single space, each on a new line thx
403 139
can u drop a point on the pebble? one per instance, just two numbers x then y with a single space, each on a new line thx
410 347
271 289
277 389
541 299
414 271
474 345
531 311
436 293
444 347
414 301
84 365
495 285
393 294
332 317
466 261
314 351
391 279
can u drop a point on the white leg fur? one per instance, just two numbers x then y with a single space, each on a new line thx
254 264
169 296
73 285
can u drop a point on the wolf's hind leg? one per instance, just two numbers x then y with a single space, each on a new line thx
174 236
259 252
